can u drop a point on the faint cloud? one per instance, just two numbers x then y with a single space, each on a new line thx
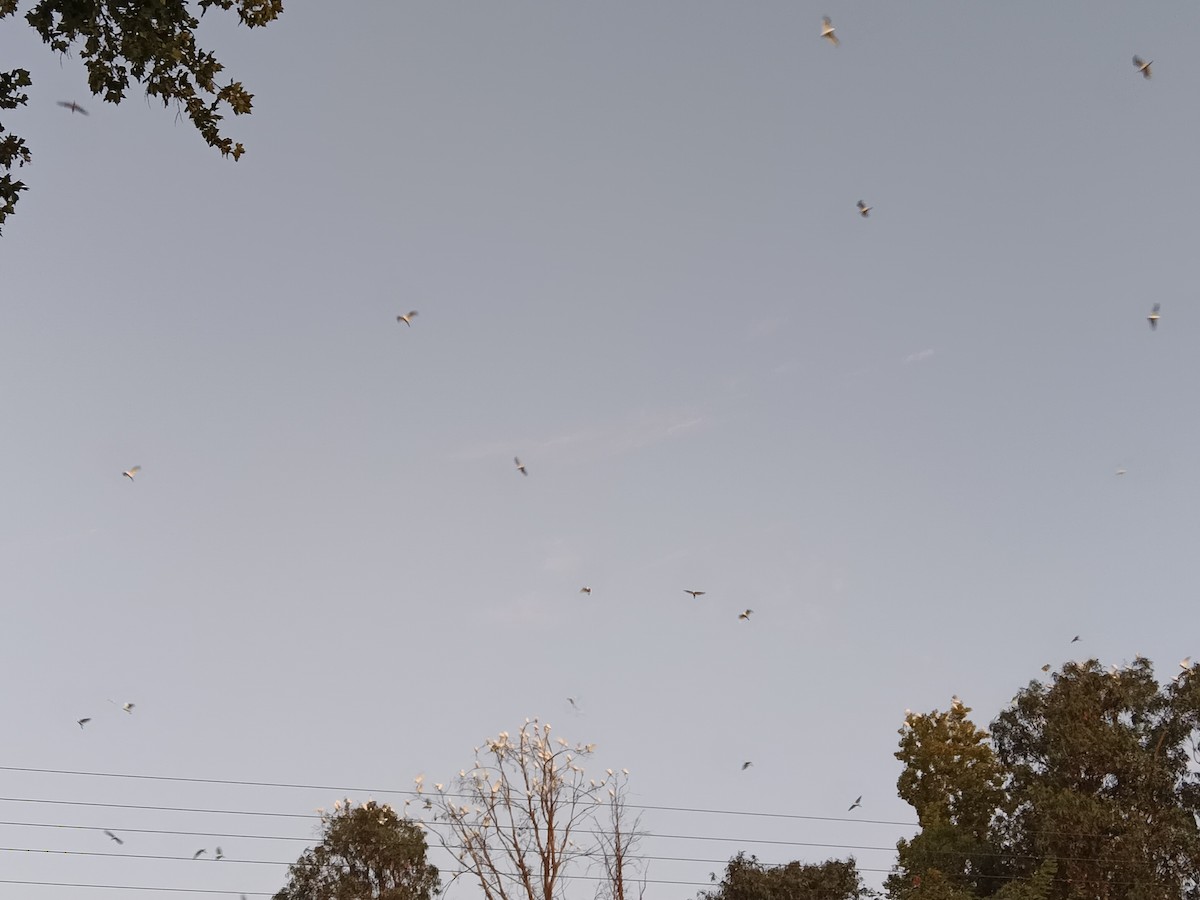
633 433
920 356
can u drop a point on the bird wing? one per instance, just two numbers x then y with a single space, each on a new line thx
826 21
132 470
1137 61
517 460
412 314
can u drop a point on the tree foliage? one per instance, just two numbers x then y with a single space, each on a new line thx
1086 789
367 853
122 42
525 817
748 879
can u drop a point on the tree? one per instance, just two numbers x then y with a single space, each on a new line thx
367 853
1087 788
525 818
748 879
151 42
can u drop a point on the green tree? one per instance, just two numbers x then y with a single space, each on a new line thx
150 42
1087 788
748 879
366 853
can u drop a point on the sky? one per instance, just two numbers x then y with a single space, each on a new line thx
630 233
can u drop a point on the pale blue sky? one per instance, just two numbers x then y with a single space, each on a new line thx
629 229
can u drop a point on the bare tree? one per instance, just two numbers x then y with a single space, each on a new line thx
525 818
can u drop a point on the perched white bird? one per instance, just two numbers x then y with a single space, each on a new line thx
863 209
694 594
520 465
114 837
586 590
827 31
131 471
1142 66
1154 316
72 106
955 702
83 721
745 615
856 804
1185 663
407 320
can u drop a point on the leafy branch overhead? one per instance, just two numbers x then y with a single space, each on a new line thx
151 43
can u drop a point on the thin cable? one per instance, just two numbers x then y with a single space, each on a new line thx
343 789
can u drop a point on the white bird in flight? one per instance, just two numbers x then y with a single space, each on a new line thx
745 615
1142 66
83 721
856 804
694 594
131 471
863 209
407 320
827 31
586 590
1154 316
520 465
220 853
72 106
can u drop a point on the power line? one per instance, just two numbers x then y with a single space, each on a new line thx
409 793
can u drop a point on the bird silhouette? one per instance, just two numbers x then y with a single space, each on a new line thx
863 209
220 853
520 465
72 106
199 853
1074 639
114 837
407 319
1142 66
1154 317
745 615
131 471
586 590
747 764
83 721
827 31
694 594
856 804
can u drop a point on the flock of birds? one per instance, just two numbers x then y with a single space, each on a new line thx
829 34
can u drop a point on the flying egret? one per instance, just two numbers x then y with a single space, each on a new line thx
1154 317
694 594
827 31
1143 66
407 320
131 471
745 615
586 590
520 465
83 721
863 209
72 106
856 804
114 837
220 853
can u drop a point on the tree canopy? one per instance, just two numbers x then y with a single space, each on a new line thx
367 853
121 42
748 879
1087 787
